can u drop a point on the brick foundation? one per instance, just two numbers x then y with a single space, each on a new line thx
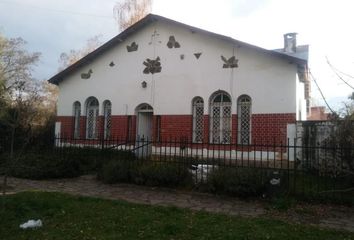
266 128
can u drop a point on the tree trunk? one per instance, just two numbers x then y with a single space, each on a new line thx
9 164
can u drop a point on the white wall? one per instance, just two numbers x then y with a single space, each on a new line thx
301 114
268 80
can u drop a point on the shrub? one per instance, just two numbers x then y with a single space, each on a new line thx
35 165
41 163
162 174
114 171
241 182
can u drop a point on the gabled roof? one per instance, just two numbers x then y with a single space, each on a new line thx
302 52
150 18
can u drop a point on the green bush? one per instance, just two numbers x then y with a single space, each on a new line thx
35 165
115 171
162 174
41 163
241 182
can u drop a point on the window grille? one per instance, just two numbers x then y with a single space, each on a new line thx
77 114
244 120
107 112
92 117
198 121
220 119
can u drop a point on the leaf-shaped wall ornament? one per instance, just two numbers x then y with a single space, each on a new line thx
232 62
133 47
152 66
172 43
86 75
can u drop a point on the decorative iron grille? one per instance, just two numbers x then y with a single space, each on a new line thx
198 121
244 120
220 127
77 114
107 111
92 117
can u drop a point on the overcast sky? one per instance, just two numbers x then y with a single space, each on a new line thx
52 27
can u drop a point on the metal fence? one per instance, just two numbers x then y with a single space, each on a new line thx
318 172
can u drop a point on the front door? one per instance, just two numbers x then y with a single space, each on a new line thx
144 131
144 126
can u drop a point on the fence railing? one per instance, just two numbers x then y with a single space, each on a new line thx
321 171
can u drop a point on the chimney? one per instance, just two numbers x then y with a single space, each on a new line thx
290 42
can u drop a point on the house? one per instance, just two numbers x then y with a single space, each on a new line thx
161 79
318 113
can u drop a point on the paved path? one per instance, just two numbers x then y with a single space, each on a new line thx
320 215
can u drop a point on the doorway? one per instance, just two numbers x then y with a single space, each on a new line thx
144 114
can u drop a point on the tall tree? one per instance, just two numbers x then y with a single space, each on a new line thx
67 59
16 66
129 12
19 93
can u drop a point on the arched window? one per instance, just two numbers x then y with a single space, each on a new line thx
198 121
91 117
107 111
244 104
76 115
220 118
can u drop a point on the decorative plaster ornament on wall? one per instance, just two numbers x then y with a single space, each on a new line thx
86 75
133 47
152 66
197 55
232 62
143 84
173 43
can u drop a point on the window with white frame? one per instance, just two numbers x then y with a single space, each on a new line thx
76 115
92 107
244 104
107 112
220 118
198 120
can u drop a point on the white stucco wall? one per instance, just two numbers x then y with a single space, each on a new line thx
301 114
270 81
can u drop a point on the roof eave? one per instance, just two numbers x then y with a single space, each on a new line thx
56 79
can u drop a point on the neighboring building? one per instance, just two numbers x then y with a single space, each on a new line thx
161 78
318 113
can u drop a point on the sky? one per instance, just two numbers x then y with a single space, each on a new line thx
53 27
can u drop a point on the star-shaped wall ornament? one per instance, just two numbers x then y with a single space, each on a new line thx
232 62
152 66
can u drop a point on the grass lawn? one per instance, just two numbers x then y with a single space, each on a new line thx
70 217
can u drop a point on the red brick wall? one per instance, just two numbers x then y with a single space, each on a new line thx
266 128
176 126
271 128
67 127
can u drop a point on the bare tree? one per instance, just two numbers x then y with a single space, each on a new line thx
67 59
16 65
129 12
19 95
